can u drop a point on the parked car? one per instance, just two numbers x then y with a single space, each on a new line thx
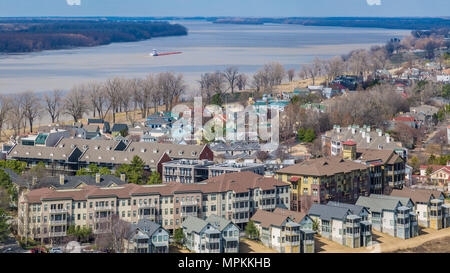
38 250
7 250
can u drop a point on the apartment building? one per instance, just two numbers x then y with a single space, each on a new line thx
234 196
285 231
394 216
342 224
436 174
364 137
429 205
343 178
70 155
146 237
194 171
212 235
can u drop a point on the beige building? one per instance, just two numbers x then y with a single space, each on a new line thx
47 213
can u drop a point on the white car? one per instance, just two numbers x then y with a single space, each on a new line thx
56 250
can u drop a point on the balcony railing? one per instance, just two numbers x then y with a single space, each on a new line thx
245 198
58 222
59 210
145 206
57 234
241 209
104 208
189 203
191 213
212 240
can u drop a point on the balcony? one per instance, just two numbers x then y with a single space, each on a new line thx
145 206
212 240
268 195
102 219
191 213
58 222
237 199
57 234
142 245
109 208
59 210
189 203
244 209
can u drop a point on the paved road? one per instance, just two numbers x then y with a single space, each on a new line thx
11 246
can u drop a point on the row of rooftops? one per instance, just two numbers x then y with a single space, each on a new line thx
194 224
106 151
328 166
235 182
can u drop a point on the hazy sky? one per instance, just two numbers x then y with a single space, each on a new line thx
280 8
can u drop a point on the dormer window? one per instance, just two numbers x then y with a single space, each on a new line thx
87 157
27 153
112 158
194 153
64 155
51 154
39 153
125 159
143 150
15 152
108 148
96 147
155 151
99 157
181 152
61 146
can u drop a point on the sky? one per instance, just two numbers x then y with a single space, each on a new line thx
250 8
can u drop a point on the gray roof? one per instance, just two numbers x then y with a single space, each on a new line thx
117 127
403 200
326 212
353 208
41 152
71 182
218 222
16 178
194 224
378 204
237 146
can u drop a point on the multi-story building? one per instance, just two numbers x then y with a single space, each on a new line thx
429 206
342 224
364 137
342 178
285 232
437 174
146 237
393 216
194 171
229 233
202 236
69 155
234 196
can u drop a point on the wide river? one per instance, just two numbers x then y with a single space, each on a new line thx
207 48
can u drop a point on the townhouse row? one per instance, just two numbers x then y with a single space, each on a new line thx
47 212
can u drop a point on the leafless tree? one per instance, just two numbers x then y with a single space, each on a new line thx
113 92
113 234
259 81
171 87
275 73
241 81
291 74
359 62
311 70
145 93
5 107
16 114
231 74
53 104
97 99
212 84
334 67
75 103
31 105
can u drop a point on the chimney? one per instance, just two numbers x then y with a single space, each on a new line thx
97 178
388 139
368 128
61 179
368 139
123 177
380 133
363 134
34 180
353 131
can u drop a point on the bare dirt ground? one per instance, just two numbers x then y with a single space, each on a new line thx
248 246
177 249
391 244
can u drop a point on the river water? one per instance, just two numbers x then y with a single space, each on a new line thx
207 48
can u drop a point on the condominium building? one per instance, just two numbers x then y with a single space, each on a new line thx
364 137
429 205
47 212
146 237
213 235
194 171
70 155
342 178
394 216
278 230
342 224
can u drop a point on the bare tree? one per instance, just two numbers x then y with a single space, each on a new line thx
113 92
231 74
171 87
113 233
291 74
5 107
241 81
97 99
212 84
31 105
16 114
53 104
144 92
75 104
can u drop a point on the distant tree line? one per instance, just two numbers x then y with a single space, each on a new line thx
37 35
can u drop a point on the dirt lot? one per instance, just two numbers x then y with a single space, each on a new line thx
433 246
177 249
248 246
425 241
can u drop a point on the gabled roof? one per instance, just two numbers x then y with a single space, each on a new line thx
194 224
294 215
357 210
326 212
72 182
218 222
145 226
41 152
267 219
117 127
403 200
417 195
378 204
